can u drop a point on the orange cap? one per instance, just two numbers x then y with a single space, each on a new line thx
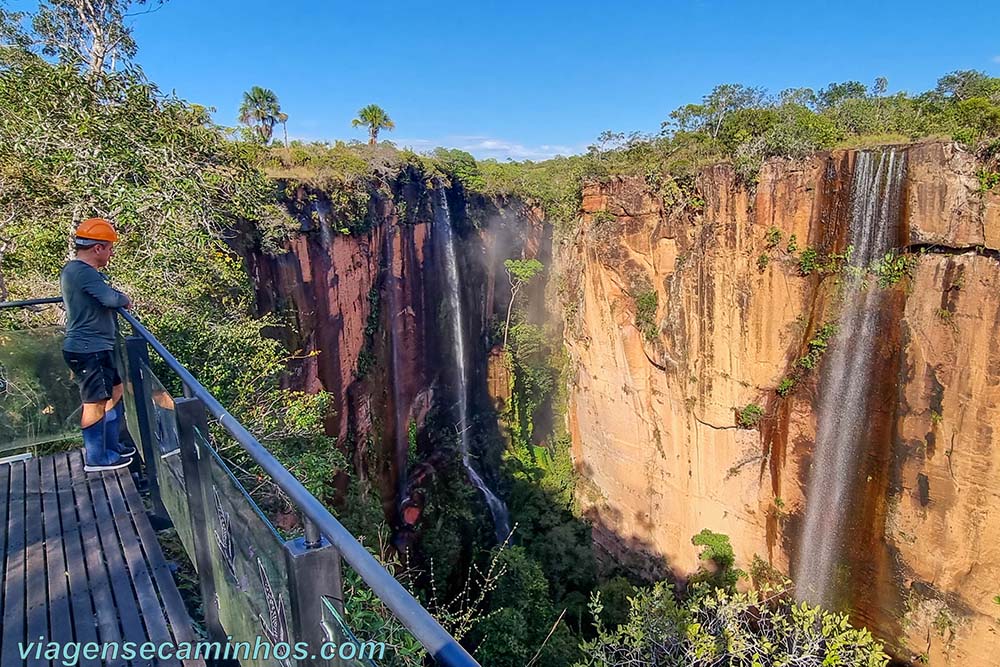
97 229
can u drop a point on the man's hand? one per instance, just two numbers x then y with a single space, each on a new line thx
128 302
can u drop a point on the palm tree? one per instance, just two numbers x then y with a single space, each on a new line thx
376 119
261 111
283 119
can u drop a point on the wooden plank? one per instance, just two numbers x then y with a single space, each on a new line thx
13 599
35 574
180 622
97 578
60 625
84 618
118 574
149 603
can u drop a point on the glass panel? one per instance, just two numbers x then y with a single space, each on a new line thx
169 469
163 417
38 401
128 399
248 562
337 632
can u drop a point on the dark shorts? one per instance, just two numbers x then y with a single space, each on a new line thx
94 373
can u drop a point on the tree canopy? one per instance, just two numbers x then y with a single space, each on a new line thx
375 118
261 111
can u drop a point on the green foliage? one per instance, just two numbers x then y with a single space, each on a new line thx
367 358
793 244
613 597
512 635
261 111
375 119
786 386
717 549
108 144
92 37
808 261
723 627
554 185
461 166
646 303
893 268
762 261
988 179
772 238
817 346
522 270
749 415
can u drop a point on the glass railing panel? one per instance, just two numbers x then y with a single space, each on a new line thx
39 403
248 560
349 651
167 461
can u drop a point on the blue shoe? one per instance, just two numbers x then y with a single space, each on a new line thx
96 456
114 428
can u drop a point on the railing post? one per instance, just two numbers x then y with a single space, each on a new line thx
191 416
314 572
137 355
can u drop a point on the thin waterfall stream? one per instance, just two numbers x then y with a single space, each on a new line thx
844 392
501 517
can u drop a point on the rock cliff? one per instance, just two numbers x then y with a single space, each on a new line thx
362 314
657 384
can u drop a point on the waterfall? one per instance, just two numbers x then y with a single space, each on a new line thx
392 315
501 518
843 410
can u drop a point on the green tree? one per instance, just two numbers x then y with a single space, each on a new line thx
261 111
836 93
524 628
966 84
87 34
724 627
519 273
375 118
716 106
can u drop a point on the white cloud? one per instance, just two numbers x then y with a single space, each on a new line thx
483 147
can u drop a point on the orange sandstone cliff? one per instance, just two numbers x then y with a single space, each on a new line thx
654 397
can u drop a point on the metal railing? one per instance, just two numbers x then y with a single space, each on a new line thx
317 520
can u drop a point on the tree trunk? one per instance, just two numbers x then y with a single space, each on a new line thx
372 135
284 128
510 310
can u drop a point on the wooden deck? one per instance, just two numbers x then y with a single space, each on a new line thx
81 563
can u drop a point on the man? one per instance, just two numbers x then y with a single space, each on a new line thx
91 329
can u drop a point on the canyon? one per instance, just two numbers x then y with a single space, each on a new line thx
655 394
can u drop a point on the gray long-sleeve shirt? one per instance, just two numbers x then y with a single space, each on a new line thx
90 308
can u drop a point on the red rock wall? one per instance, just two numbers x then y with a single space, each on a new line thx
321 287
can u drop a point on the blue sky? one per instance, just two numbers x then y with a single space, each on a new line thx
531 79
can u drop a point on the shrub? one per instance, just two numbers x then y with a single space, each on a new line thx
793 244
808 261
645 314
749 415
772 238
893 268
762 261
717 549
723 627
786 386
988 180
